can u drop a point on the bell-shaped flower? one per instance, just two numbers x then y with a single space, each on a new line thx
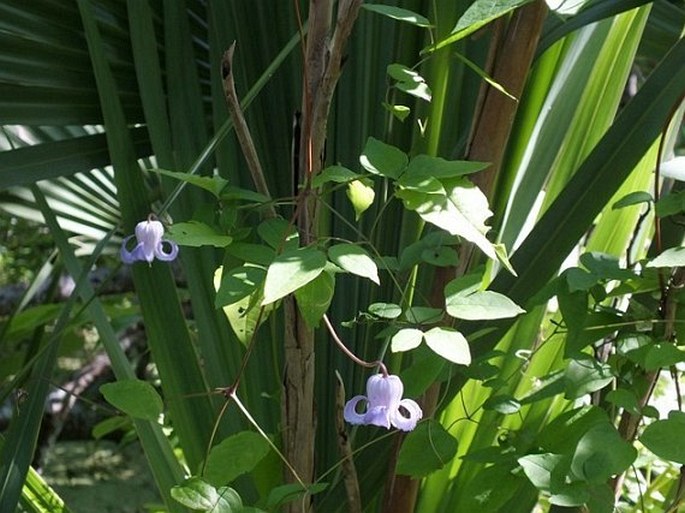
384 405
150 244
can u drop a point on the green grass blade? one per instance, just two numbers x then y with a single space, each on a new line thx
163 463
45 161
168 336
597 179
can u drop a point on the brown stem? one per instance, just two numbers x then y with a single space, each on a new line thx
354 501
241 129
349 353
321 72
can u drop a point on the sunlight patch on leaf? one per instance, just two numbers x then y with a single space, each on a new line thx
450 344
290 271
355 260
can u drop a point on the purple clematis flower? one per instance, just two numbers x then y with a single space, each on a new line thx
385 406
150 244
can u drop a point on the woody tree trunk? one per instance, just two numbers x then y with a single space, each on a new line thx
323 55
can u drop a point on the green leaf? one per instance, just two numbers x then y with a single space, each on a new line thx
406 339
410 82
279 234
232 193
423 315
504 404
383 159
436 167
134 397
625 399
672 257
238 283
243 317
663 437
290 271
633 198
426 449
234 456
355 260
199 495
197 234
336 174
602 453
462 211
441 256
111 425
315 297
253 253
361 195
385 310
586 376
480 13
397 13
482 304
539 467
290 492
663 354
670 204
604 266
487 78
450 344
214 184
401 112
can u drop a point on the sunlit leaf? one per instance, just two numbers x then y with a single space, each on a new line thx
355 260
479 13
290 271
406 339
385 310
463 211
383 159
450 344
361 195
672 257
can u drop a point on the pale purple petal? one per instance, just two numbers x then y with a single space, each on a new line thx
162 255
350 412
384 391
378 416
149 245
149 234
400 421
385 407
128 257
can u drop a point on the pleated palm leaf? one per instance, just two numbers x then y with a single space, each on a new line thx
150 73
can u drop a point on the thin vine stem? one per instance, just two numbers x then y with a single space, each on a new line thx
350 354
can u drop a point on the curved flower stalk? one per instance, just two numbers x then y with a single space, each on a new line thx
385 406
150 245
